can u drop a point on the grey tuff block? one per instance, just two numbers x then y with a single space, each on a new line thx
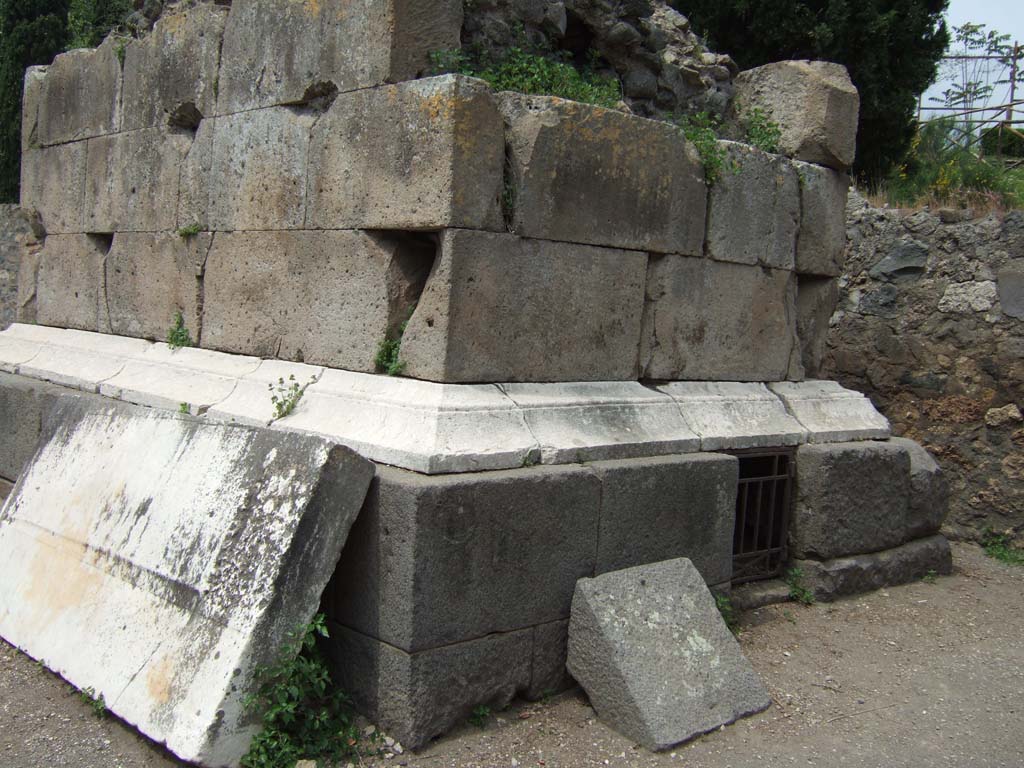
709 320
586 174
80 95
53 184
816 300
929 491
851 498
69 282
461 556
650 648
668 507
32 94
822 237
496 306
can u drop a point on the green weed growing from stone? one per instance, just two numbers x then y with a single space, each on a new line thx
999 547
701 130
762 132
190 231
929 578
388 352
177 335
797 591
285 395
184 408
304 716
96 703
480 716
728 611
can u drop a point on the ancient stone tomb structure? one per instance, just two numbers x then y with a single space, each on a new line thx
593 339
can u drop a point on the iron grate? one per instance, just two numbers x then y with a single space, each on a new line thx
762 514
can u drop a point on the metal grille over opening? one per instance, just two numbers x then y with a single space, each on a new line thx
762 514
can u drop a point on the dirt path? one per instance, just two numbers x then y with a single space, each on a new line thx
924 675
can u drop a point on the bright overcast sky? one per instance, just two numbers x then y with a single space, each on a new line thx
1004 16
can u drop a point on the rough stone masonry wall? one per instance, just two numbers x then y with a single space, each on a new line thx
276 175
931 326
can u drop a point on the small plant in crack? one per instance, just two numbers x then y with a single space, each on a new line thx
797 590
177 335
285 395
190 231
96 703
728 611
185 408
387 359
480 716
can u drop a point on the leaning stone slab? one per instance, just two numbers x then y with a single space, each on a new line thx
285 53
586 174
929 491
503 308
844 576
355 289
831 413
732 415
171 75
754 209
23 402
816 301
813 102
426 154
650 648
822 236
850 498
601 420
81 95
53 184
160 568
709 320
69 282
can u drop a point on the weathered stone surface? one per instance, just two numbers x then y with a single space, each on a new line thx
754 209
822 236
283 53
457 557
326 298
419 155
844 576
419 696
650 648
248 402
715 321
831 413
1010 286
850 498
813 102
22 405
69 284
186 554
550 647
20 235
929 491
80 96
500 308
53 184
757 594
732 415
152 277
816 300
586 174
175 65
6 486
34 87
668 507
132 180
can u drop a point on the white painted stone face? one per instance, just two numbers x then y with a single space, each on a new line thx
158 559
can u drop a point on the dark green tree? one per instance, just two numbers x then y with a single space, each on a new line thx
89 21
31 32
891 48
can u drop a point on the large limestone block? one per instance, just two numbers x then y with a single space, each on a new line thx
174 66
816 300
668 507
152 277
284 52
851 498
929 491
586 174
132 180
32 94
831 413
501 308
456 557
822 238
158 560
69 282
715 321
53 185
420 155
813 102
81 95
650 648
326 298
754 209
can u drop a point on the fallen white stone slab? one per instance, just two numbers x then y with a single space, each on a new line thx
830 413
651 650
158 559
730 415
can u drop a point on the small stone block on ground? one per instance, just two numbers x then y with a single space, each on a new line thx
651 650
159 560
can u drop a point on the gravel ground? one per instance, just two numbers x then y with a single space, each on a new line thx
922 675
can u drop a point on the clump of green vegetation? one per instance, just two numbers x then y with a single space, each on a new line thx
480 716
1000 547
762 132
387 359
177 335
96 703
797 591
304 716
728 611
89 21
930 577
184 408
285 395
701 130
190 231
